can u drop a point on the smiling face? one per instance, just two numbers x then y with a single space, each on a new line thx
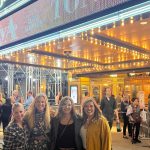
18 113
40 104
67 107
89 109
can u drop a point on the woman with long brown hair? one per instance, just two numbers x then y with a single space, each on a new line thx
65 127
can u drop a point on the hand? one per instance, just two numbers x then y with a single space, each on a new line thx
117 120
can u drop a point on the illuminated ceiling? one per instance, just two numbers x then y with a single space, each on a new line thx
119 46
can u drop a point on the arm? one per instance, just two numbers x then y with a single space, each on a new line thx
102 104
116 111
105 135
9 137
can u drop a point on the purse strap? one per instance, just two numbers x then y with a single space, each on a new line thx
63 131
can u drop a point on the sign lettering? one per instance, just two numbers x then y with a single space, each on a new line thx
47 14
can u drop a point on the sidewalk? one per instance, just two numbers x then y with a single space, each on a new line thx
118 142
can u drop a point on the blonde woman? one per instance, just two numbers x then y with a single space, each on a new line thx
65 127
95 131
37 119
15 136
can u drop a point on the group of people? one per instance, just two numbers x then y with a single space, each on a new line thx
35 129
7 103
132 119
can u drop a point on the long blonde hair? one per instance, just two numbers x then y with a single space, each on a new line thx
30 114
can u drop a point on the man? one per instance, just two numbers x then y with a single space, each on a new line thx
85 97
109 107
29 100
16 96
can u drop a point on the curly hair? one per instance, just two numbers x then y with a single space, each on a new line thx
62 103
30 114
97 113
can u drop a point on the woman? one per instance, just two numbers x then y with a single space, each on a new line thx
124 106
65 127
37 119
15 137
95 131
133 112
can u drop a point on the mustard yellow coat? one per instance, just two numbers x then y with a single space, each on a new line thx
98 135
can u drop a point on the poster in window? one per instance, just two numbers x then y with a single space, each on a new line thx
74 93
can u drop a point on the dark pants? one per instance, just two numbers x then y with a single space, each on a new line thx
125 124
135 131
110 124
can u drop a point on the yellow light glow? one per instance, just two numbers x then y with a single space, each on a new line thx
114 25
131 20
143 22
122 23
99 29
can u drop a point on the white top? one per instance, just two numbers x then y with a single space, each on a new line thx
83 136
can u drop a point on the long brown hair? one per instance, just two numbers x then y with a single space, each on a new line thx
62 103
97 113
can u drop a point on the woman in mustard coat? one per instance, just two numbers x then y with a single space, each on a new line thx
95 131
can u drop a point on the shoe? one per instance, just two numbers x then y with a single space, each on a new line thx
138 141
119 130
124 136
133 141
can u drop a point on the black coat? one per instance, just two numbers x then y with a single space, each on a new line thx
54 132
6 110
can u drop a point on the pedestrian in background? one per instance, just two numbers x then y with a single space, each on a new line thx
133 112
124 106
6 111
109 107
29 100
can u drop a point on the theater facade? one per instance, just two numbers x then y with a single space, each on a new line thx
96 43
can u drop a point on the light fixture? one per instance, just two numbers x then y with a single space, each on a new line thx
6 78
131 20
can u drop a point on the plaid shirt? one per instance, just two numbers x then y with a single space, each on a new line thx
15 138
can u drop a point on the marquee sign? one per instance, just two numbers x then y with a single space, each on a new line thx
47 14
2 3
8 7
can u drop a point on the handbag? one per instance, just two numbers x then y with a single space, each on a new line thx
118 127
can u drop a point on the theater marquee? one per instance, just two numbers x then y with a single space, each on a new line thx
47 14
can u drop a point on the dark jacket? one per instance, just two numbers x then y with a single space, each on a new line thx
54 131
6 112
108 107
